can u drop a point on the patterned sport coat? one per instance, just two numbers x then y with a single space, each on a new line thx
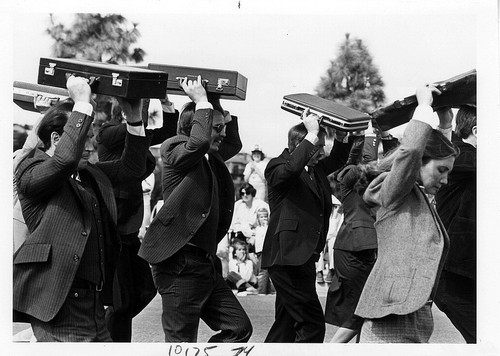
188 186
46 264
412 241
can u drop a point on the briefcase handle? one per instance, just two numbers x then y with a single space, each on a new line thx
92 79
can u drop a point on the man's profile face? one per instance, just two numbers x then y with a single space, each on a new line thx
218 131
320 154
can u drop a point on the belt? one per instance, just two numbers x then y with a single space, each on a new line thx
194 250
83 284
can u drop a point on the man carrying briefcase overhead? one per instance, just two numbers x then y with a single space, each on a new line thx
64 271
181 242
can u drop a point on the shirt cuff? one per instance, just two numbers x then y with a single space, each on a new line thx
168 108
136 130
204 105
83 107
311 138
424 113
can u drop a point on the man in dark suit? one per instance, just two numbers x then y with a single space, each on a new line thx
300 203
456 205
134 274
64 271
181 242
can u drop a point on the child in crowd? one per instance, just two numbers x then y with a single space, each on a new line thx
264 282
241 270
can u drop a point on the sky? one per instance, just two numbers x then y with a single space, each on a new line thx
284 47
283 53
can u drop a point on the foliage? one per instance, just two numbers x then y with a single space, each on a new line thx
352 79
103 38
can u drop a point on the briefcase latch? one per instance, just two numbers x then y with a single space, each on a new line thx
221 83
115 81
51 69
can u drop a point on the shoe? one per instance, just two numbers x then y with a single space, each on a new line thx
329 276
242 294
319 277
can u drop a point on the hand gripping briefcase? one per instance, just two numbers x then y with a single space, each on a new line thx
331 114
226 84
107 79
25 93
457 91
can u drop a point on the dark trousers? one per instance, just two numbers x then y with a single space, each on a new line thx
298 316
80 319
137 289
191 288
456 297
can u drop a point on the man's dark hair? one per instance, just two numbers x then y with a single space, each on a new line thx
465 121
54 120
297 133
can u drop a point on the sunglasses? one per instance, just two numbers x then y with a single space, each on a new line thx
219 127
244 193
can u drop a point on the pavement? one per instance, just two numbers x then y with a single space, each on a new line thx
147 326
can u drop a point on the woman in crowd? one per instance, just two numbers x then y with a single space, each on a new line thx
254 173
245 217
412 243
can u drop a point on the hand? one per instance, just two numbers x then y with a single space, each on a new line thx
132 109
311 122
424 94
79 89
445 117
42 103
194 90
165 101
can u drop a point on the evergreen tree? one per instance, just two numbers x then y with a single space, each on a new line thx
352 79
96 37
101 38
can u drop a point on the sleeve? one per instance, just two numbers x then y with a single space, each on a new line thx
44 178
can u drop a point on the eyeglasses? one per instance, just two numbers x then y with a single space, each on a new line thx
244 193
219 127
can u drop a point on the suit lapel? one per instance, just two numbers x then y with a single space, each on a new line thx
106 194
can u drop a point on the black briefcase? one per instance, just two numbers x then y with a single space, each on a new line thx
455 92
335 115
225 83
24 94
107 79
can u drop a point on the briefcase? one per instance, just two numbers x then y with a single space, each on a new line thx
225 83
455 92
335 115
107 79
24 94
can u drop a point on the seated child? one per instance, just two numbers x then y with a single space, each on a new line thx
241 270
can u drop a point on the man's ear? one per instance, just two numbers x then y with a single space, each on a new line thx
474 130
54 138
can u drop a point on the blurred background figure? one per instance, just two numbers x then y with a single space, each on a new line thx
265 286
254 173
241 277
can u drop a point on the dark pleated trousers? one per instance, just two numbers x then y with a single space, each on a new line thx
298 313
191 289
80 319
137 289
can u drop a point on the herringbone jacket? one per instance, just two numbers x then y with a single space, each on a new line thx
188 185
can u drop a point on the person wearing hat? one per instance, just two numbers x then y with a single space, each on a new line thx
254 173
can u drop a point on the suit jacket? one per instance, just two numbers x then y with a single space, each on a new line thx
357 231
129 198
46 264
188 184
456 205
412 242
300 210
